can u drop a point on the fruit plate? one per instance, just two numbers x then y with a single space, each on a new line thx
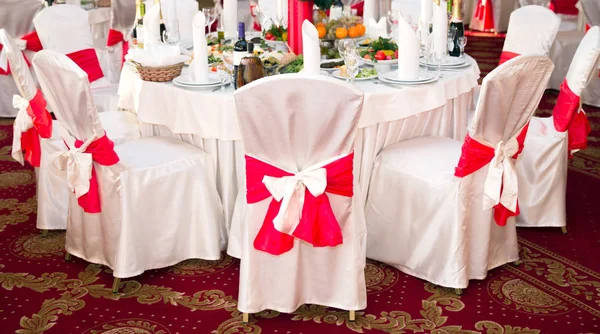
337 75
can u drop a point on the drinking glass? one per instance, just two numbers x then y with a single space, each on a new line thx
211 15
228 62
352 62
223 73
346 47
439 57
462 42
171 34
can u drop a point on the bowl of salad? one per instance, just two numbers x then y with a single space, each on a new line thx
381 51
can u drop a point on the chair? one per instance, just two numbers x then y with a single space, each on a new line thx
435 207
121 24
52 188
145 204
319 258
491 15
16 18
66 29
543 167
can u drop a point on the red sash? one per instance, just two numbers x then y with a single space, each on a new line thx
476 155
506 56
485 14
87 60
318 224
42 127
103 153
115 37
33 44
567 116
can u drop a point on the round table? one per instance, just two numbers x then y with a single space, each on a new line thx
207 119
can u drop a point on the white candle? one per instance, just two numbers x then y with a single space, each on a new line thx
440 29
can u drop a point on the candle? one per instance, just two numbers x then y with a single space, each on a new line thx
440 29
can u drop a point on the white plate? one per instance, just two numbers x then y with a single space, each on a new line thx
393 77
185 79
449 62
381 62
337 75
207 87
406 83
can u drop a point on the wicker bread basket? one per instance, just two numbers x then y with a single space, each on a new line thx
158 74
104 3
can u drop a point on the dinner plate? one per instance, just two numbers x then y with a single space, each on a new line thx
185 79
206 87
337 75
448 62
381 62
393 77
407 83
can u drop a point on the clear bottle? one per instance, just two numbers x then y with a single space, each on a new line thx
456 21
138 29
240 50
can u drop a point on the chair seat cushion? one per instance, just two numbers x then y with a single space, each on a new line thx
152 152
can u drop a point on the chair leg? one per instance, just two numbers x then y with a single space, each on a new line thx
44 233
564 229
245 318
352 315
68 256
458 292
116 283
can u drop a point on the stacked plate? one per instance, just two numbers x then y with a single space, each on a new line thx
447 63
185 81
392 77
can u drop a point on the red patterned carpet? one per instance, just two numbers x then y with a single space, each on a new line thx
555 290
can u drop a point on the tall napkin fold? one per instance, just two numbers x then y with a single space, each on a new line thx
440 28
369 12
408 57
230 18
152 26
426 12
199 66
311 49
378 29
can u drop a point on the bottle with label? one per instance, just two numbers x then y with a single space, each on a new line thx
456 21
337 10
138 29
240 50
163 27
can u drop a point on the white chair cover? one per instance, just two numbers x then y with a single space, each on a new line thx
430 224
122 20
591 9
16 17
159 202
543 168
183 11
66 29
531 30
294 142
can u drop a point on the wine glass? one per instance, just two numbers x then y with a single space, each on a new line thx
346 47
211 15
228 62
462 42
352 62
439 58
171 34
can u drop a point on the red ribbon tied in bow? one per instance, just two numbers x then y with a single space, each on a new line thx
30 42
501 185
567 115
115 37
506 56
87 60
32 122
81 175
300 207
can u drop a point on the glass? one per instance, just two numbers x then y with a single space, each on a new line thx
439 58
352 62
346 47
228 63
211 15
171 35
451 36
462 42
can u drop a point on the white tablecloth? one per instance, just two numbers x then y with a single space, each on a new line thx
208 119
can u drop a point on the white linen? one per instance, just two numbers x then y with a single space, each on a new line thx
430 224
285 282
531 30
408 57
440 30
152 26
199 66
369 13
183 12
426 12
544 166
230 17
591 9
122 19
311 49
136 194
378 28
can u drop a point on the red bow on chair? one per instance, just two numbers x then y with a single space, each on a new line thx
115 37
32 122
568 115
87 60
300 207
501 185
30 42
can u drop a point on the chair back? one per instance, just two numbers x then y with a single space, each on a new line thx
509 96
16 16
123 15
531 30
295 121
67 92
584 64
18 67
591 9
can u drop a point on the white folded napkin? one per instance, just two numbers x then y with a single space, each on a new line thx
440 29
408 56
230 14
180 12
378 29
152 26
370 8
426 11
155 55
311 49
199 66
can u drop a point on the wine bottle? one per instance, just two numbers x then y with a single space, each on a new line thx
240 50
138 30
163 27
456 21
